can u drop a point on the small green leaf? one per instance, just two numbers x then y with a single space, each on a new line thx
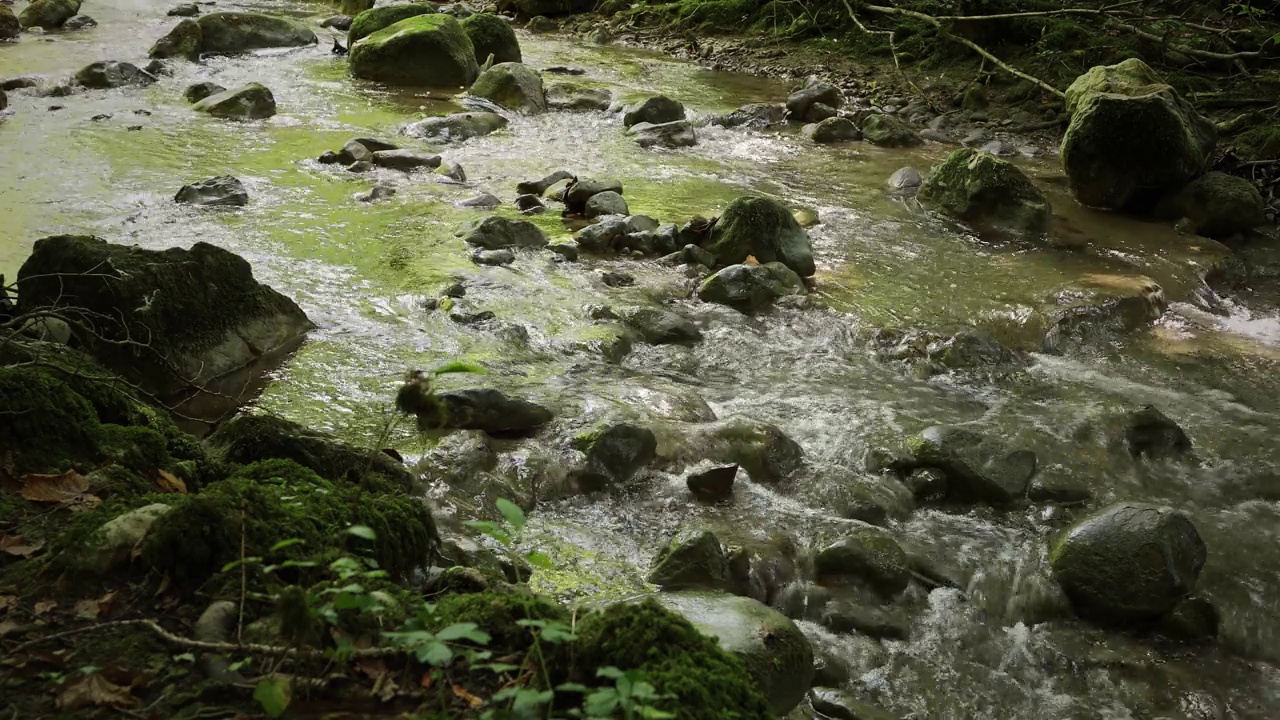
572 687
184 657
539 559
286 544
273 695
497 668
512 513
492 529
363 532
436 654
610 672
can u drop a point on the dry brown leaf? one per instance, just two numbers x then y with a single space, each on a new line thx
45 606
54 488
7 627
8 602
372 667
82 503
93 609
94 691
18 546
170 483
475 702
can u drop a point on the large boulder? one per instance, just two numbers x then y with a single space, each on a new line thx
979 468
251 102
457 127
10 27
470 409
371 21
495 233
990 193
491 35
1129 562
107 74
762 228
1217 204
425 50
513 86
235 32
1132 137
614 453
655 111
749 288
185 40
179 317
48 14
777 655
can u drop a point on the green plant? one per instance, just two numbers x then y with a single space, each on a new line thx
630 695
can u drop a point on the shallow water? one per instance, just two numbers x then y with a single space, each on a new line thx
361 272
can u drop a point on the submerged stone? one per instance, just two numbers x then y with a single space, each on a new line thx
750 288
979 468
1150 434
457 127
222 190
494 233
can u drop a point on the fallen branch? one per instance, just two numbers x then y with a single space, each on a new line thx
1190 52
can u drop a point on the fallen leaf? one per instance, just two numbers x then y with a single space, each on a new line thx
94 691
45 606
92 609
170 483
18 546
751 260
54 488
7 627
8 602
82 503
475 702
427 680
372 667
385 688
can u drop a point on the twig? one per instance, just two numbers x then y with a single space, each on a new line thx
244 579
893 49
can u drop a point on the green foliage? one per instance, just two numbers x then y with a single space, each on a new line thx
273 694
630 696
513 619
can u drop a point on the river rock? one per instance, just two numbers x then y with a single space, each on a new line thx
376 193
495 258
185 10
583 189
661 327
762 228
749 288
845 616
111 546
1131 136
451 171
1058 487
1097 306
755 115
495 233
222 190
839 705
236 32
457 127
404 160
869 554
889 131
514 86
692 560
529 204
201 90
338 22
656 110
48 14
184 41
990 193
483 201
713 484
1150 434
541 24
777 655
676 134
572 97
614 453
1193 619
470 409
10 27
80 22
1129 562
4 100
199 330
800 103
372 20
605 203
552 8
1217 204
492 35
766 453
21 82
832 130
979 468
424 50
251 102
538 187
905 181
108 74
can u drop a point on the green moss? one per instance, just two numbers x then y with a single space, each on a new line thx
497 614
139 448
1259 143
491 34
705 682
45 426
371 21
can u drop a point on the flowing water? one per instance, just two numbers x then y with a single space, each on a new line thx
362 273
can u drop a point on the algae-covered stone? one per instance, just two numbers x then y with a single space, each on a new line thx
185 40
251 102
763 450
491 35
111 545
1149 433
48 14
1129 562
371 21
868 553
10 27
762 228
674 134
614 453
777 655
236 32
425 50
693 559
1131 136
990 193
514 86
495 233
889 131
832 130
655 110
749 288
979 468
221 190
107 74
470 409
572 97
457 127
1217 204
200 310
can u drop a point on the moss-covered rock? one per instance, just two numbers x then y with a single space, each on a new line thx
236 32
48 14
495 233
491 35
112 74
1217 204
191 316
704 681
889 131
371 21
870 554
693 559
251 102
1259 143
979 468
762 228
47 427
498 613
425 50
352 8
749 288
185 40
1129 562
457 126
1132 137
10 27
614 453
991 193
514 86
763 450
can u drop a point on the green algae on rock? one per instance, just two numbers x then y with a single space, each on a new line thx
989 192
48 14
251 102
513 86
184 41
763 228
425 50
237 32
492 35
372 20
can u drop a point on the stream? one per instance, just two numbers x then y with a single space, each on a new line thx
363 271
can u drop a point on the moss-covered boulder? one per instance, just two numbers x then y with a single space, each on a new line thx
499 614
425 50
552 8
251 102
696 679
10 27
763 450
777 655
108 74
1259 143
979 468
988 192
693 560
247 439
236 32
749 288
48 14
179 318
762 228
1129 562
352 8
371 21
888 131
868 554
574 97
470 409
614 453
457 126
513 86
185 40
491 35
1132 137
1217 204
496 233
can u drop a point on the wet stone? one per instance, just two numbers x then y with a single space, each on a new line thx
713 484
